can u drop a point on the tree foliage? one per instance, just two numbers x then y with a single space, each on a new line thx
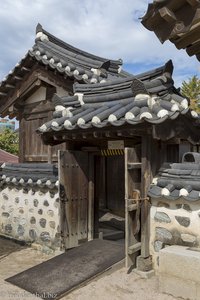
9 141
191 89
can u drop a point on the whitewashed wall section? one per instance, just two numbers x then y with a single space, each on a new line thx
31 215
173 223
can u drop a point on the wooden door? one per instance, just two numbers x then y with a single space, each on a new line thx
132 204
73 189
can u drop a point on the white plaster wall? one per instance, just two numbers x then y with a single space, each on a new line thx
30 215
168 230
61 92
39 95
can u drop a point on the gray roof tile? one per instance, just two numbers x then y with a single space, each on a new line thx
180 180
132 100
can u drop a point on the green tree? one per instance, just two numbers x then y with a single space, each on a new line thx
191 89
9 141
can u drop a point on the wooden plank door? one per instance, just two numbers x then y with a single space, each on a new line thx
132 204
73 189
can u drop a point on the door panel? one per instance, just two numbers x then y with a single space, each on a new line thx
73 178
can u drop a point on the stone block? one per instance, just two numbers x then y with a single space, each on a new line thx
144 264
177 287
183 221
179 261
162 217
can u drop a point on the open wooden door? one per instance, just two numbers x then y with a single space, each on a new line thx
132 204
73 189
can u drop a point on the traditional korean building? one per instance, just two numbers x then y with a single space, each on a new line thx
51 66
119 133
114 130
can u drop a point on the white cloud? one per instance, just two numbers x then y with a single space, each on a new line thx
106 28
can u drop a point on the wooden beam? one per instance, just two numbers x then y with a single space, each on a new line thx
132 166
167 15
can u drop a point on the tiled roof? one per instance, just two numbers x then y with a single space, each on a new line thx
177 21
178 179
29 174
149 97
63 58
7 157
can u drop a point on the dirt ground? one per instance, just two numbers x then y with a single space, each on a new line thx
110 286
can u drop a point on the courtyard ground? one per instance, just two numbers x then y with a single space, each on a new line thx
116 285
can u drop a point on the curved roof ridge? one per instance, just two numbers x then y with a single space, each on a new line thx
67 46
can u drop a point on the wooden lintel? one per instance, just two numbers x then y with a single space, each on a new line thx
167 15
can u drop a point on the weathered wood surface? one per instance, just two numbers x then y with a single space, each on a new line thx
132 206
73 178
146 178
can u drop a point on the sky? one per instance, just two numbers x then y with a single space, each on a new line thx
107 28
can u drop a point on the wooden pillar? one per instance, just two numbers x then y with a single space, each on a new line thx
50 150
145 183
91 198
22 138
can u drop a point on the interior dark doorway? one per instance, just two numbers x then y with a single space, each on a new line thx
109 191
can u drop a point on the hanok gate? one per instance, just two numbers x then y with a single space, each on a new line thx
117 139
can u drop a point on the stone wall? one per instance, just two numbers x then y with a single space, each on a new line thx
30 215
173 222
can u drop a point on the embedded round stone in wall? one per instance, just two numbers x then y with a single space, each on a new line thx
40 211
25 190
183 221
32 220
56 204
22 221
20 230
163 235
162 204
50 213
5 214
178 206
8 228
162 217
10 209
17 200
26 201
21 211
52 224
43 223
158 245
35 202
52 194
5 197
32 234
45 236
187 207
31 210
46 203
188 238
3 207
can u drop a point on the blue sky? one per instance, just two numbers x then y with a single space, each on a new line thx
106 28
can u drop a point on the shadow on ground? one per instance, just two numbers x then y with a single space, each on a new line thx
8 246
